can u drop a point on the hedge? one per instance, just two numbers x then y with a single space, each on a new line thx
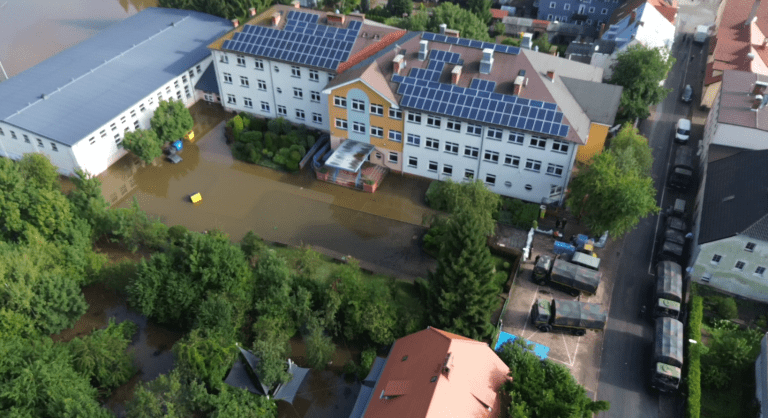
693 377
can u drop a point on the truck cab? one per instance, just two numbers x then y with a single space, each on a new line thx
666 378
541 314
681 173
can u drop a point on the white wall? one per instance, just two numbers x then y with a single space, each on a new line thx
518 177
656 30
724 275
60 154
280 84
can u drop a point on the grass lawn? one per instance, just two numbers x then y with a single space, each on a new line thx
734 400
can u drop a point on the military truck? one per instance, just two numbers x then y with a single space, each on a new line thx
668 293
681 173
667 355
573 316
567 277
589 261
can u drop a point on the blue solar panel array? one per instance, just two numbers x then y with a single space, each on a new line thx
483 85
445 56
481 106
471 43
302 41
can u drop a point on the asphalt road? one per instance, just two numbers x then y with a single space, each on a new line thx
627 348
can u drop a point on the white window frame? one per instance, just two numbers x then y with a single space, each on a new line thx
759 271
393 157
750 247
377 109
295 71
395 136
471 152
358 105
259 64
469 174
339 101
716 259
247 102
453 125
555 170
561 147
342 124
227 78
432 144
265 107
474 129
743 265
241 60
314 96
317 118
414 117
434 121
414 140
298 93
511 160
377 131
538 142
566 6
494 133
516 138
262 85
491 156
431 165
244 82
314 75
451 147
447 170
358 128
300 115
282 110
413 162
395 114
231 99
533 165
490 179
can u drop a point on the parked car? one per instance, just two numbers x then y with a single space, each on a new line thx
682 130
687 96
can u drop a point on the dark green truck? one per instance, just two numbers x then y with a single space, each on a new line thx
574 316
667 355
668 294
568 277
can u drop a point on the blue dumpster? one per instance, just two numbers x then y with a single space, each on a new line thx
177 144
563 248
581 239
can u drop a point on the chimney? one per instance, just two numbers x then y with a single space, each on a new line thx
296 4
452 33
423 50
757 102
486 64
252 11
275 19
398 63
759 88
456 75
335 18
235 23
551 75
519 80
527 40
632 17
443 27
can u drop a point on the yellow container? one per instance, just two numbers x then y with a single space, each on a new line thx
190 136
196 198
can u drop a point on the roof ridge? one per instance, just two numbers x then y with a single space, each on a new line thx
370 50
44 96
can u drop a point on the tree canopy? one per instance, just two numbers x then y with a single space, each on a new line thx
228 9
171 121
467 23
400 7
144 144
640 70
632 150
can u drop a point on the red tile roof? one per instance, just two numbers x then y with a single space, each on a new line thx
667 9
736 104
737 36
467 376
370 50
499 14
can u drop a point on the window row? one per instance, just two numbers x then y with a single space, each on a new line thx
258 64
740 265
28 141
359 106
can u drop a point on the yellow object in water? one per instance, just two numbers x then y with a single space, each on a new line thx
190 136
197 197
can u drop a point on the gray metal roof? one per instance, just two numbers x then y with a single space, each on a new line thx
350 155
600 101
735 197
91 83
207 81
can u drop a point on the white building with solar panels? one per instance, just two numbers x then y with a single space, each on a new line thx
76 106
278 63
511 117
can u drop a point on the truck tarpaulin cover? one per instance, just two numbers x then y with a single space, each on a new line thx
669 282
577 277
669 342
580 314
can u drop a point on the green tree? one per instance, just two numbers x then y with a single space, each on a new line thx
542 41
206 356
467 23
272 349
320 347
39 172
481 9
171 121
88 201
632 151
168 396
541 389
238 403
640 70
461 294
102 357
144 143
608 198
400 7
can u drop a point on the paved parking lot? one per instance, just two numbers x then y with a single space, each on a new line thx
580 354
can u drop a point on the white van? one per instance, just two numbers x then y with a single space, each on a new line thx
682 131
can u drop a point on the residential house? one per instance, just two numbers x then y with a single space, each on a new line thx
278 63
76 106
594 53
587 13
462 109
434 373
761 377
739 43
646 22
498 15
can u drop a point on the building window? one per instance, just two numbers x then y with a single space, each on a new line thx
396 136
538 142
473 129
750 247
276 69
432 166
295 71
199 70
314 75
281 110
339 101
716 259
26 138
560 146
451 147
160 95
395 113
414 140
555 170
265 107
533 165
314 96
447 170
151 101
228 78
591 10
259 65
358 127
208 97
118 139
317 118
178 95
567 6
471 152
247 102
13 134
393 157
490 179
231 99
341 124
491 156
300 114
297 93
54 147
186 92
549 17
414 117
469 174
112 126
224 59
740 265
136 124
432 143
453 125
377 131
168 89
759 271
176 83
92 140
555 191
377 109
142 107
433 121
184 78
413 162
552 5
102 133
40 143
133 113
494 133
241 60
358 105
244 81
512 160
604 12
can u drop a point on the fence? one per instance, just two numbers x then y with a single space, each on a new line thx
500 322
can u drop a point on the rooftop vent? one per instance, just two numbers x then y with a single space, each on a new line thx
452 33
235 23
335 19
252 11
398 63
486 64
275 19
526 41
759 88
423 50
456 75
751 56
443 27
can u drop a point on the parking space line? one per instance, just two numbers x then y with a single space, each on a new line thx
528 318
567 352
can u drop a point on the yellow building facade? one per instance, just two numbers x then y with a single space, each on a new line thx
595 142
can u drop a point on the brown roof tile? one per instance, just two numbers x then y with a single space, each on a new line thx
735 38
499 14
736 102
370 50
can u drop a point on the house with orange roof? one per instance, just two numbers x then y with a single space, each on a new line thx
740 43
435 374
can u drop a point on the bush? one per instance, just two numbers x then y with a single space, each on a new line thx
726 307
250 137
518 213
350 368
433 239
367 358
693 377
